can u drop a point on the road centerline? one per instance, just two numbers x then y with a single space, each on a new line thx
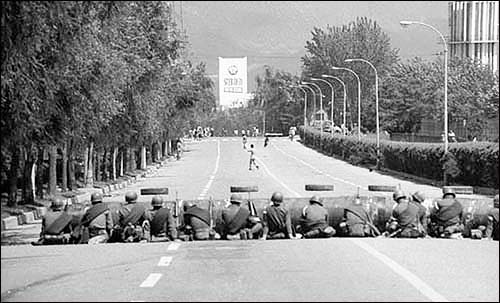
151 280
212 176
165 261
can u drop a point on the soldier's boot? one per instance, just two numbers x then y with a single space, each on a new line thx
328 232
312 234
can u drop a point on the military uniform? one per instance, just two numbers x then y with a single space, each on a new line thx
356 218
236 221
407 215
446 217
162 225
98 220
493 218
277 220
314 220
56 225
132 217
197 222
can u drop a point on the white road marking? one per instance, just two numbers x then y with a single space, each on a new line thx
151 280
420 285
319 171
173 246
296 194
212 176
165 261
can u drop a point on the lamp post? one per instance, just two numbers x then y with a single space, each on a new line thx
320 107
305 101
333 97
302 84
343 86
407 23
376 105
359 96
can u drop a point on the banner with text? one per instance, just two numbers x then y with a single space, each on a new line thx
233 82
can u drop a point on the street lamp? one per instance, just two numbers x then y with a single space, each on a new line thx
343 86
376 105
406 24
320 107
302 84
333 97
305 101
359 96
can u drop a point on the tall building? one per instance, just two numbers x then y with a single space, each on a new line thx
473 29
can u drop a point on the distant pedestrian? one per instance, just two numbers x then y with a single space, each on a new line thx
266 141
244 137
251 150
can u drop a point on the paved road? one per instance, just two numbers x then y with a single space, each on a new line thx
336 269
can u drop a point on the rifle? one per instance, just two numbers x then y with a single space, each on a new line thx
210 213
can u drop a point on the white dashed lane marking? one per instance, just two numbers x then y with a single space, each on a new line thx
151 280
165 261
212 176
173 246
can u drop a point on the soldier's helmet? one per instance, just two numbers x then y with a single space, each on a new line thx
316 199
398 194
131 196
277 197
495 201
96 198
57 204
448 191
418 197
157 201
235 198
187 204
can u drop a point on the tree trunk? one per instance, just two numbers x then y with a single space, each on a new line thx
115 154
39 173
65 167
71 166
89 181
143 157
29 176
85 165
98 176
52 170
13 174
121 163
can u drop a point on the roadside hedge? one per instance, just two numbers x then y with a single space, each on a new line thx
469 163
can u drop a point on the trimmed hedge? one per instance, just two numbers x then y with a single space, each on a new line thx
469 163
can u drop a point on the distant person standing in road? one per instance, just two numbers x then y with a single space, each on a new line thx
266 141
244 138
251 150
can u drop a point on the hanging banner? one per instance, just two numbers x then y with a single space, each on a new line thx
233 82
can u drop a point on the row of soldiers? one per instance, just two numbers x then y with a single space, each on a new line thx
134 222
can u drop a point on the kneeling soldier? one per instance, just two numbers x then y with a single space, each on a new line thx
446 216
197 222
356 218
314 220
97 220
162 224
238 222
277 221
492 229
132 217
405 222
56 225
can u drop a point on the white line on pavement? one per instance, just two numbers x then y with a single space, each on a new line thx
420 285
151 280
296 194
317 170
165 261
173 246
212 176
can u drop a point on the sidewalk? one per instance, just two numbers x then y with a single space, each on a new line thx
25 227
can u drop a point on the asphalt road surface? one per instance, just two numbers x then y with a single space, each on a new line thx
336 269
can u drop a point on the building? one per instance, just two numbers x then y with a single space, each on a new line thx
473 28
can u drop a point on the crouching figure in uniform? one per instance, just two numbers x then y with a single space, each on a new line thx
132 220
56 225
197 223
446 216
314 220
405 220
97 223
238 222
162 226
492 229
277 220
356 220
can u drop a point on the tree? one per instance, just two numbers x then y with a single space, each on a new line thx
363 39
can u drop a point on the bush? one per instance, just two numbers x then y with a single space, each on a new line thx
469 163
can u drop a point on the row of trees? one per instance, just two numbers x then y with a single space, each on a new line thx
408 91
104 84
